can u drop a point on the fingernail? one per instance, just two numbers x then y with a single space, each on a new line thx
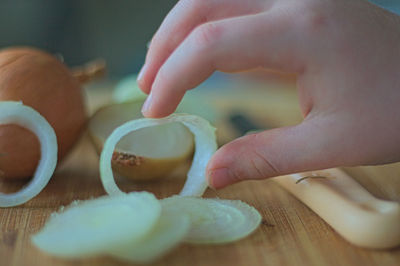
219 178
141 73
146 105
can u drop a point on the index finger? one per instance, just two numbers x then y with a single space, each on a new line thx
182 19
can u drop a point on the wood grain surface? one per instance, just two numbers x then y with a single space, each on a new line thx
290 234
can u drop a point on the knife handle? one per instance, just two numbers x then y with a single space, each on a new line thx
349 208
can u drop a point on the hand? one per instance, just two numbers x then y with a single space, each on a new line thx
346 55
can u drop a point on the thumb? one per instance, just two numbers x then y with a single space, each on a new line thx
307 146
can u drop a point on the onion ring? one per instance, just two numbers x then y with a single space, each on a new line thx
205 142
25 116
214 221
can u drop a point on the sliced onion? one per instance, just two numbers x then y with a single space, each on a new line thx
25 116
168 232
206 145
214 221
147 153
94 226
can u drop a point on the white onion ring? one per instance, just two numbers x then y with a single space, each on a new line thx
214 221
25 116
205 141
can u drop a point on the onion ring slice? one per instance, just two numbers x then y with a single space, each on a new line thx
91 227
25 116
214 221
205 142
169 231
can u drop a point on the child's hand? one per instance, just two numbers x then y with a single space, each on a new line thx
346 55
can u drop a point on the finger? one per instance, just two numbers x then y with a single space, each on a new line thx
311 145
228 45
182 19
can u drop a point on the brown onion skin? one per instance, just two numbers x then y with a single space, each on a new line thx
44 83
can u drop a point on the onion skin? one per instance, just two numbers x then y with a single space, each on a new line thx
42 82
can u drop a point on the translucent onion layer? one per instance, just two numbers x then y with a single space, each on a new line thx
25 116
205 141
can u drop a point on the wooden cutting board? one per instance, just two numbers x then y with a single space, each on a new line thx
290 234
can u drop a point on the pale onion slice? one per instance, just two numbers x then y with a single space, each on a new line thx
205 142
147 153
25 116
167 233
214 221
94 226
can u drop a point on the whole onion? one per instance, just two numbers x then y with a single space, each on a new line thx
41 81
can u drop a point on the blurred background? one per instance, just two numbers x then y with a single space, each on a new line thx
81 30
